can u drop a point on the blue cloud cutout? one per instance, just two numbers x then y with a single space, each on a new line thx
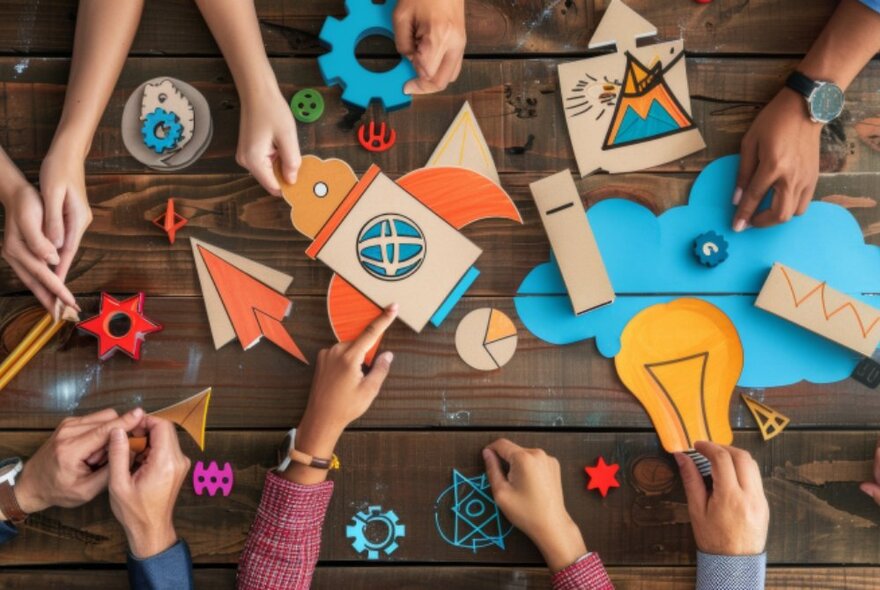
650 260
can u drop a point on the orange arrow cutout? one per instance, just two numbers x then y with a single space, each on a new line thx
254 309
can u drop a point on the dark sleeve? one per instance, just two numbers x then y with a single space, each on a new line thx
7 531
169 570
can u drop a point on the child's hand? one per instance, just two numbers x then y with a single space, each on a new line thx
733 518
432 35
66 204
530 495
341 393
779 151
268 131
872 488
28 251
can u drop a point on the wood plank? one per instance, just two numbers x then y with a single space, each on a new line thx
517 102
543 386
459 577
233 212
290 27
810 479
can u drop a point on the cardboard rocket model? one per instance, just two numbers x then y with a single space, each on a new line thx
392 242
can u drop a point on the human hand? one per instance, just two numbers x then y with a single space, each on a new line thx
432 35
268 132
66 204
872 488
68 470
341 393
530 495
779 151
733 518
28 251
143 501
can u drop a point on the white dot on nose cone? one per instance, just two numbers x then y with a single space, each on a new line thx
320 189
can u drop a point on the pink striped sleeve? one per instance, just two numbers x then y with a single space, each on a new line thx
587 573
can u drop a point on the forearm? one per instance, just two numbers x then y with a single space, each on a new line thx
105 30
847 43
236 29
11 178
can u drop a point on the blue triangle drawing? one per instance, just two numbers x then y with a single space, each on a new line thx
634 128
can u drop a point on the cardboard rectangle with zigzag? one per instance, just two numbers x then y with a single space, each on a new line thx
629 110
813 305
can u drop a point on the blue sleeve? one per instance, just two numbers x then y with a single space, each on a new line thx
169 570
872 4
7 531
730 572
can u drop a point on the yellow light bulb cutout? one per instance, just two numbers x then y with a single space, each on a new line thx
682 360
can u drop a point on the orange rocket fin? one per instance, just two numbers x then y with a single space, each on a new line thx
460 196
350 312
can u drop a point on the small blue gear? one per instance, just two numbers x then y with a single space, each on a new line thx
160 118
341 67
359 522
711 249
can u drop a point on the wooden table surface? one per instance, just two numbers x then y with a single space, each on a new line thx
434 413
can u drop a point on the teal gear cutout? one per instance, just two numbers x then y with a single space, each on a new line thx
168 122
359 522
341 67
711 249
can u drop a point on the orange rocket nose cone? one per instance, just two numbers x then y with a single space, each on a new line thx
321 185
682 360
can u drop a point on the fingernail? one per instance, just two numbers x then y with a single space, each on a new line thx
389 357
486 453
866 490
58 243
116 434
393 307
290 178
53 259
679 458
737 195
739 225
137 412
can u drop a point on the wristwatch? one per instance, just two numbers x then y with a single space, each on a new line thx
824 99
9 470
288 453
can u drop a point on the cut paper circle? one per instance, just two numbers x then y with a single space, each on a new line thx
486 339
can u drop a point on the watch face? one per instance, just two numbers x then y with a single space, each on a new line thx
826 102
9 468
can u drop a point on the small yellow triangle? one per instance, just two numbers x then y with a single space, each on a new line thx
769 420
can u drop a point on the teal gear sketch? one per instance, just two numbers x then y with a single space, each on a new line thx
357 531
172 129
477 521
711 249
341 67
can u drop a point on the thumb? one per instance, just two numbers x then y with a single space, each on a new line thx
118 454
694 487
291 160
54 211
497 479
376 377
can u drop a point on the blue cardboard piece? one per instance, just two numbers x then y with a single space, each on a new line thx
650 259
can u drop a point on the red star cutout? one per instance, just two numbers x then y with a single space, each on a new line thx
130 342
602 476
170 221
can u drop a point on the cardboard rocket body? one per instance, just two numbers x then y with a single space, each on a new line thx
394 249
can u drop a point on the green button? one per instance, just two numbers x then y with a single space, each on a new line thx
307 105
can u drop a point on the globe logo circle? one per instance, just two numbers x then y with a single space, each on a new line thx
391 247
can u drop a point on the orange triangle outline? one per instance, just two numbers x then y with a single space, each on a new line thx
770 422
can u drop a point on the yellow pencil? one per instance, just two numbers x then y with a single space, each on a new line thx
26 356
25 344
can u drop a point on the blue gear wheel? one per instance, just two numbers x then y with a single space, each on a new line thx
359 522
711 249
160 118
341 67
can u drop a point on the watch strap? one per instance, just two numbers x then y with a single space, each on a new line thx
801 84
9 504
310 461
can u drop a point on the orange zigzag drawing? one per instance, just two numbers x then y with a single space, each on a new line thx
820 288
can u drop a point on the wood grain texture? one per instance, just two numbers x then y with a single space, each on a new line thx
810 477
516 101
458 577
542 386
233 212
291 27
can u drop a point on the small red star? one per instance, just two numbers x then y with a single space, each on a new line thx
602 476
170 221
137 326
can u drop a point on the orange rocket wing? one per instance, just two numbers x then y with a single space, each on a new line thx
350 312
460 196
